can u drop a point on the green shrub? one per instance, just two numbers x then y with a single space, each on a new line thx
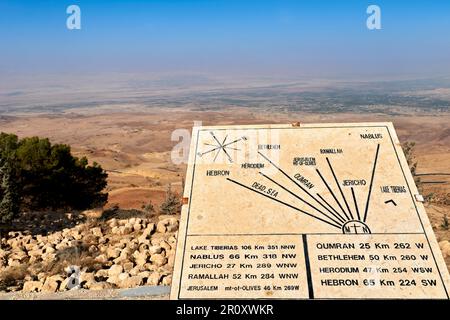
10 199
408 150
445 223
171 204
47 176
149 207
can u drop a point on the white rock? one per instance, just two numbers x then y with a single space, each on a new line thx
52 283
32 286
123 276
100 286
115 230
161 227
158 260
140 257
102 273
115 270
97 232
128 266
163 244
131 282
445 248
171 260
113 253
113 223
155 249
154 279
167 280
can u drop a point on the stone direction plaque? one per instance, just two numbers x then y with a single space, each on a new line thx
313 211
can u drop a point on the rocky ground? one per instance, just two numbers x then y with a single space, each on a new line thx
108 252
445 248
127 248
102 253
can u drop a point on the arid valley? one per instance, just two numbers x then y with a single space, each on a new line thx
134 144
135 147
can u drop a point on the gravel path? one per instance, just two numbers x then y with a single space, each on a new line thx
140 293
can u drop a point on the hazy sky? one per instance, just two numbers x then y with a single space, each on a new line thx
308 38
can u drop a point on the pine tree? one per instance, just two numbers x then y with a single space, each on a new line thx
171 204
9 199
47 176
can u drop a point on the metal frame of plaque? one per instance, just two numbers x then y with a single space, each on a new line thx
304 211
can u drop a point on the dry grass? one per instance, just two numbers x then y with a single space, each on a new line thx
13 276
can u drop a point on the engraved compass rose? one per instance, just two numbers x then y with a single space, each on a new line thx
217 147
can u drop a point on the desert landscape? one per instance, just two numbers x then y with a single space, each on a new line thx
132 142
